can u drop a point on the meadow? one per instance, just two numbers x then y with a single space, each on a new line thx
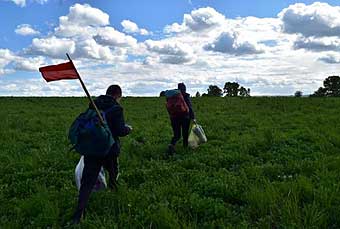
269 163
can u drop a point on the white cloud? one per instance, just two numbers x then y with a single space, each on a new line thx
197 20
318 44
170 52
111 37
131 27
22 3
90 49
229 43
18 63
89 29
144 32
85 15
331 58
81 21
41 1
28 64
318 19
174 28
205 48
25 30
6 57
85 33
52 46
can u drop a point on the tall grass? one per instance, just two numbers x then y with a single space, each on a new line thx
268 163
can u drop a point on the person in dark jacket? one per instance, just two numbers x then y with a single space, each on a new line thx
108 103
181 124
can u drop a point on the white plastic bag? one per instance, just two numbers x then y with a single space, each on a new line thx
197 136
101 181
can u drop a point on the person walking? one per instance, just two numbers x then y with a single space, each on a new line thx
108 103
180 121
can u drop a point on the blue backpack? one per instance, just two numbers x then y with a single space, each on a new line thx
88 136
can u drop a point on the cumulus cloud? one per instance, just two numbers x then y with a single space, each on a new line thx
317 45
28 64
22 3
170 52
85 15
6 57
199 44
131 27
25 30
330 58
318 19
111 37
85 33
17 62
90 49
229 43
198 20
80 20
52 46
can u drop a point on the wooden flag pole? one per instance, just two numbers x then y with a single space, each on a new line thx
86 91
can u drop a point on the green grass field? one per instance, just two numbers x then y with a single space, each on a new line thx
268 163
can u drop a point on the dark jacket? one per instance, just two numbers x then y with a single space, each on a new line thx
187 100
115 119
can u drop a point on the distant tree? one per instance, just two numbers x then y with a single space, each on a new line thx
162 94
243 92
214 90
298 94
231 89
331 87
204 95
332 84
198 94
321 92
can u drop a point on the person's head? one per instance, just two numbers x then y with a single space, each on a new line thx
115 91
182 87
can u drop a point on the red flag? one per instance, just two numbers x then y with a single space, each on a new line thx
59 72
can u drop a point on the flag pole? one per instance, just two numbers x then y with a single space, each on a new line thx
86 91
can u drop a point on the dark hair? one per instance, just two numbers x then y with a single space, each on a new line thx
182 87
114 90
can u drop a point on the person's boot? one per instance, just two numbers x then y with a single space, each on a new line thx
77 217
170 151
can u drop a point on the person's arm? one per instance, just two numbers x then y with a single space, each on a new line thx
191 111
118 127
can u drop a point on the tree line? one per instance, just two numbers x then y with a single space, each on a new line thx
331 88
230 89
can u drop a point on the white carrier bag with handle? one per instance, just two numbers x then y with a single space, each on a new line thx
101 181
197 136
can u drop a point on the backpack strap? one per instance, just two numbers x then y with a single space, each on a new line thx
104 112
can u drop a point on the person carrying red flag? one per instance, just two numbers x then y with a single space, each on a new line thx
92 164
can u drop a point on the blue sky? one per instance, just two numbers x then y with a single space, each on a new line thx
200 42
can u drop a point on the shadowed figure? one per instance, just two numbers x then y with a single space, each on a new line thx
180 125
92 164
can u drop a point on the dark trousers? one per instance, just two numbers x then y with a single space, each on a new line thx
92 166
180 126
